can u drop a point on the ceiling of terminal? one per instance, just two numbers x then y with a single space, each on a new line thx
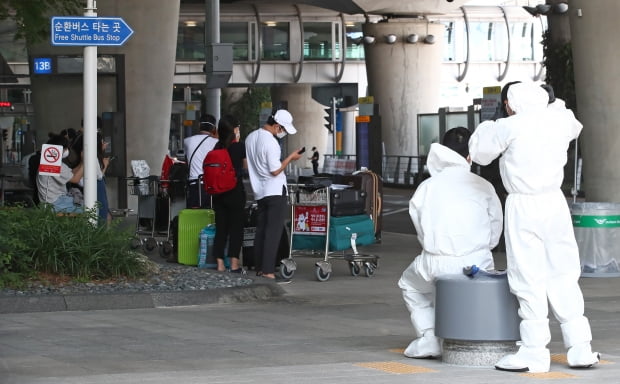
382 7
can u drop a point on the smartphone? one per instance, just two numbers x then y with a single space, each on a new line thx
302 150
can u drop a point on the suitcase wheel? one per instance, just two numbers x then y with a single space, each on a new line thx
150 244
166 249
135 243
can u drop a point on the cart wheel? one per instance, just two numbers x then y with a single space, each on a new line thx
320 275
285 272
369 269
354 268
150 244
165 250
136 243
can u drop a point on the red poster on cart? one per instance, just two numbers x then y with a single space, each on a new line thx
310 219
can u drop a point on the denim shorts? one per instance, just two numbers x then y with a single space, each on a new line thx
65 204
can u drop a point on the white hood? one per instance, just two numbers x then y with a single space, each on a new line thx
527 97
441 157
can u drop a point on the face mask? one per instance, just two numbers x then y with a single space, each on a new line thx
280 135
65 154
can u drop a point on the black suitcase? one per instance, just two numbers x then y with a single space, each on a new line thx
346 202
249 230
372 184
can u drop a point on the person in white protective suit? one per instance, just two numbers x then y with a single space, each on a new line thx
458 219
541 251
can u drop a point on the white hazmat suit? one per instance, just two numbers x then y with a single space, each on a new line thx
541 251
458 219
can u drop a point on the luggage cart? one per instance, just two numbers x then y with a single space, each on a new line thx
145 188
310 217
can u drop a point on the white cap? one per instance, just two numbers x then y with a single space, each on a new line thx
285 119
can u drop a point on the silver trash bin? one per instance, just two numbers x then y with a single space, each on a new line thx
597 231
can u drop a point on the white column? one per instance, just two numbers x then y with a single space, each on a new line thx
596 57
404 79
150 56
307 118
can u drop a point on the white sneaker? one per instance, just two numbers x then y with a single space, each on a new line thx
526 360
424 347
581 356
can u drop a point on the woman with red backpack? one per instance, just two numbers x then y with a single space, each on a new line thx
229 206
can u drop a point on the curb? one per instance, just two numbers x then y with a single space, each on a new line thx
106 301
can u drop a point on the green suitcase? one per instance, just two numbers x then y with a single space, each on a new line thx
341 228
191 221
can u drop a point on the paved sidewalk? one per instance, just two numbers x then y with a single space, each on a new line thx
348 329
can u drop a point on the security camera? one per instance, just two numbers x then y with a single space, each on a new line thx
449 1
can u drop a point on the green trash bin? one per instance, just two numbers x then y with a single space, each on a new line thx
597 231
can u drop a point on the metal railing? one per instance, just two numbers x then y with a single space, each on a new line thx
405 171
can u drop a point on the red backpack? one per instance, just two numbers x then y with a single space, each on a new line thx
218 173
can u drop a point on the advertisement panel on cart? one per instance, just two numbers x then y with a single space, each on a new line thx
310 220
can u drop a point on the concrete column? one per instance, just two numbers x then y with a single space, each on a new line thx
404 79
307 118
149 74
597 73
149 56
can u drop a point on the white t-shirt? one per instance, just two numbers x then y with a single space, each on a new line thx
52 187
190 144
263 157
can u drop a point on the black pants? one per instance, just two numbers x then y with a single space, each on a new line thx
229 218
269 223
315 168
197 197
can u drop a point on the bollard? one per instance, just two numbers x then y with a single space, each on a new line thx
476 317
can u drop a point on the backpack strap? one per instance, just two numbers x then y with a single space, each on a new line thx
192 156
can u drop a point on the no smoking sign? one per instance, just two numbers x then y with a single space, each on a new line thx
51 160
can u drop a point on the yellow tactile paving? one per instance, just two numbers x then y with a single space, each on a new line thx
398 350
549 375
394 367
561 359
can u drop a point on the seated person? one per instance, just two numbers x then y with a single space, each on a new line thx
458 219
53 189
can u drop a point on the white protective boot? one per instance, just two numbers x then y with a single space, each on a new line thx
581 356
532 356
427 346
526 360
577 336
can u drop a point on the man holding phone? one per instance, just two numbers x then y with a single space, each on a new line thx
268 182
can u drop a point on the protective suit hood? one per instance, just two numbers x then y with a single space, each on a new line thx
527 97
441 157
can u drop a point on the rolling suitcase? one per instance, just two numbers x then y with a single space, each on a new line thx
372 184
249 230
346 202
247 250
191 222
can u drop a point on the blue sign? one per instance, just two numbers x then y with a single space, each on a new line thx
89 31
42 65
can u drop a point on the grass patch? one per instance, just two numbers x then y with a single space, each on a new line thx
37 240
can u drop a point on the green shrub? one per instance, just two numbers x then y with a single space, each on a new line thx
38 240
